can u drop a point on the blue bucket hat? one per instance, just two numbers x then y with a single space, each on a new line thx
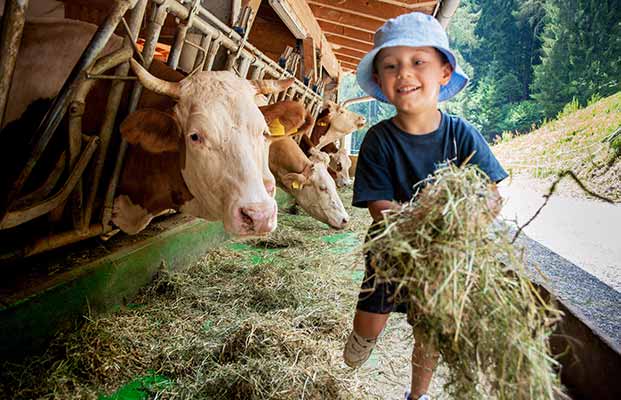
414 30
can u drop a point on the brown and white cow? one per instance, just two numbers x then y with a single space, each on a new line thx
203 157
308 181
333 123
199 148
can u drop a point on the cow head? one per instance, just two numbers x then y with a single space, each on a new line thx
314 190
219 132
340 164
342 123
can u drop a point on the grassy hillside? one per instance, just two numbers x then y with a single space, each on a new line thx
579 140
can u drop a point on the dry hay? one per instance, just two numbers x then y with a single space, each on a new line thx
467 286
225 328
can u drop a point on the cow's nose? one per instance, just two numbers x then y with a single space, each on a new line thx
258 218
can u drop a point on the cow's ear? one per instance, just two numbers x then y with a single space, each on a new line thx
332 106
294 181
154 130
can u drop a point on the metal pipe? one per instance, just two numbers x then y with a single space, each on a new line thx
256 71
175 51
152 35
244 65
201 57
446 11
61 101
230 39
357 100
211 55
13 21
47 186
76 111
17 217
53 242
114 100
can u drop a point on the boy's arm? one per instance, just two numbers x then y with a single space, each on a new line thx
376 207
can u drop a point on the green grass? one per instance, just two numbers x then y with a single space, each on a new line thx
575 141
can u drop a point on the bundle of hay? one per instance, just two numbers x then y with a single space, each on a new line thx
467 287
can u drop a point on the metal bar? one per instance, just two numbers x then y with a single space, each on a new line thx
47 186
211 55
175 51
14 218
114 100
47 243
230 39
155 27
12 29
230 62
244 65
201 57
61 101
111 77
256 71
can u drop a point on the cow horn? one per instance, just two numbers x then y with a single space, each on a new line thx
357 100
157 85
267 86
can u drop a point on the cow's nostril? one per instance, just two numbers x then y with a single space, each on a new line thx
344 222
246 218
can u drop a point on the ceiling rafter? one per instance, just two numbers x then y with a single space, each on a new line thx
347 59
339 17
373 9
352 44
339 29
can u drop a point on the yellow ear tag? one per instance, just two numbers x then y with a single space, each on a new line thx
294 130
322 123
295 185
276 128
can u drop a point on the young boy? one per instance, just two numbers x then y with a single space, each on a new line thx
411 67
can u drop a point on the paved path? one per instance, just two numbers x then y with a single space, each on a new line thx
585 232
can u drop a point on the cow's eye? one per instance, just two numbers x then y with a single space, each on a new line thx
323 188
195 137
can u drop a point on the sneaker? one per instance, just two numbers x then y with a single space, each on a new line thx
422 397
357 350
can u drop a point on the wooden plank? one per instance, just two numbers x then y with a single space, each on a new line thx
327 14
331 35
340 55
254 5
347 59
310 61
306 17
352 44
350 52
345 31
372 8
349 65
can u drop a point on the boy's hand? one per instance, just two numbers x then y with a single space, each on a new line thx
378 206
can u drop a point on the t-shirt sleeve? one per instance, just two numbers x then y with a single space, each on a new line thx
473 141
372 180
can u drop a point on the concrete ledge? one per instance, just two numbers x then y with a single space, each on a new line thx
587 342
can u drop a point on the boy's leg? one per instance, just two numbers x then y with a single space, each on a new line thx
361 341
424 360
368 324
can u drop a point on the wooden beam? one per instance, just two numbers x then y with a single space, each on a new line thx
310 61
327 14
340 23
340 55
349 52
348 59
352 44
340 30
348 65
306 17
373 9
331 35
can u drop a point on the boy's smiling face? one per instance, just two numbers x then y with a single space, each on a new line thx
410 77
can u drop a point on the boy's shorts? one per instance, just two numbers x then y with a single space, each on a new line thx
377 296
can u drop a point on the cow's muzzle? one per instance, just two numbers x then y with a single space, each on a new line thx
256 218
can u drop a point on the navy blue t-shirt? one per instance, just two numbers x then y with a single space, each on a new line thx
392 161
